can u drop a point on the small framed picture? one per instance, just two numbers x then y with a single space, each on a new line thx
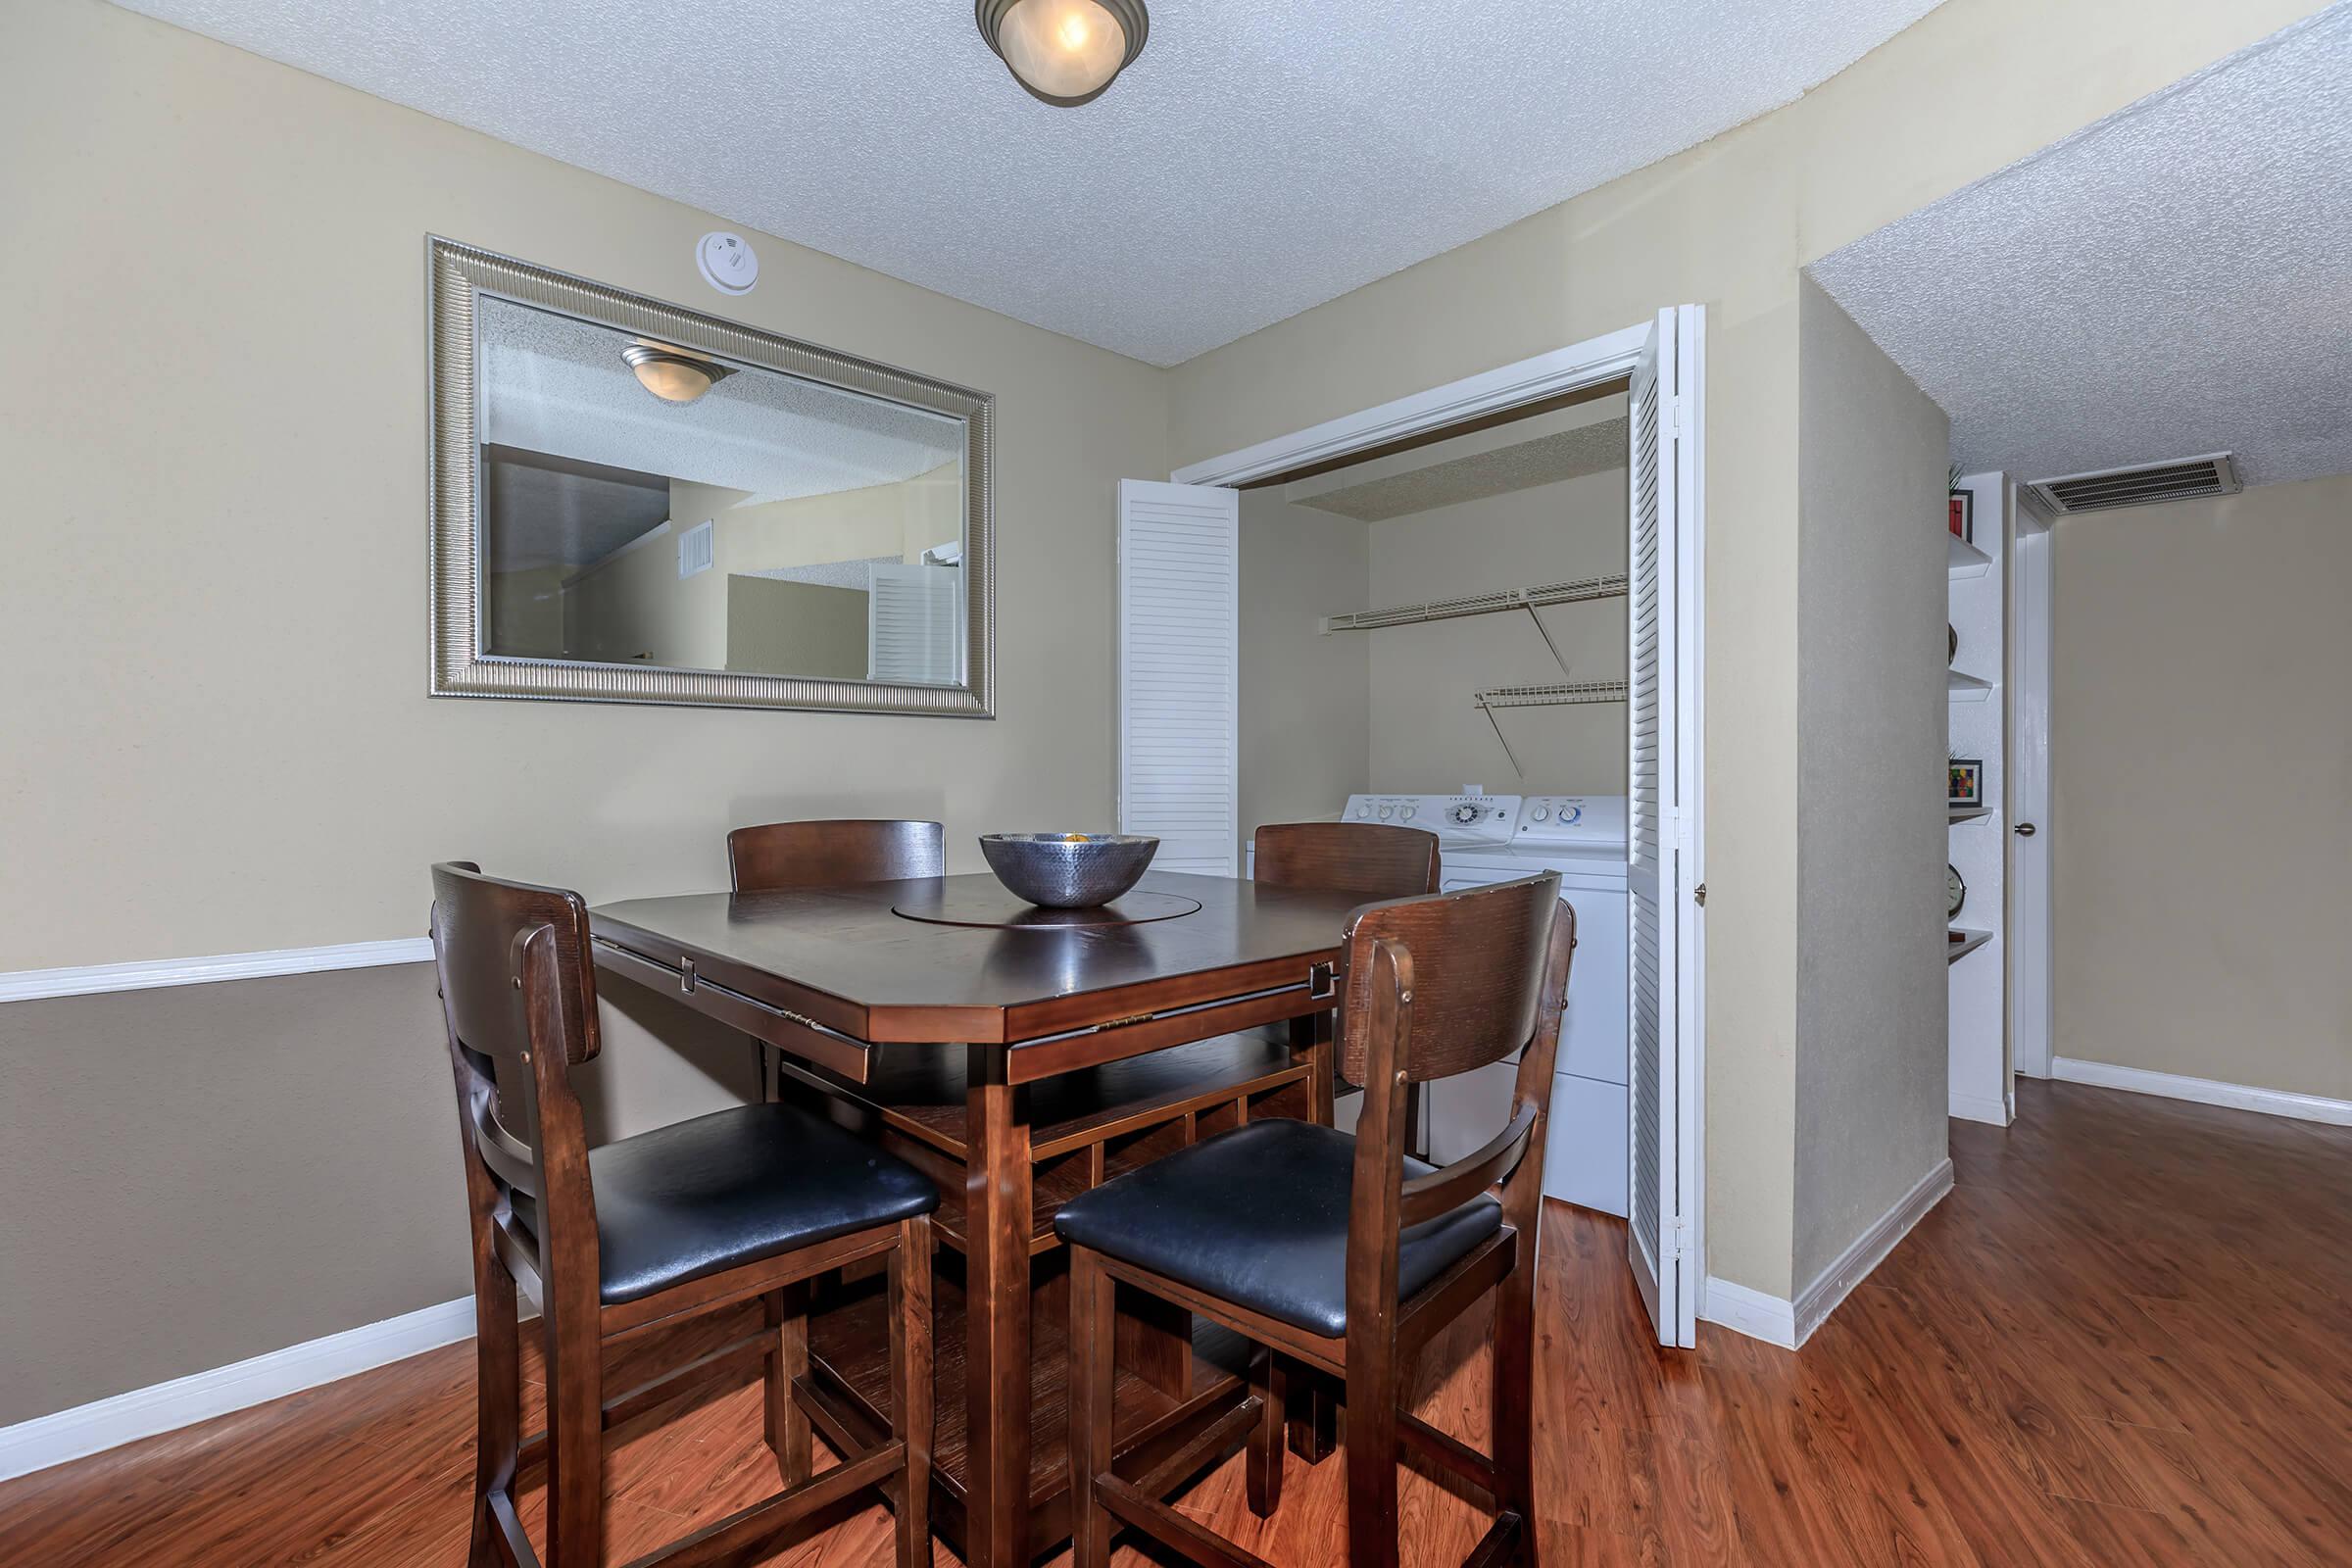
1964 515
1966 784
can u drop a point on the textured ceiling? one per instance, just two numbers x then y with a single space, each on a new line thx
1258 159
2173 281
1518 455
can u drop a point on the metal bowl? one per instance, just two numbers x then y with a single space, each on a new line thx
1065 870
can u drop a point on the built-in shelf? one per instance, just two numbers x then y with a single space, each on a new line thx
1966 688
1967 559
1574 592
1970 942
1969 813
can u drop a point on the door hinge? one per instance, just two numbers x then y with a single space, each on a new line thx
1680 1236
1675 420
1699 895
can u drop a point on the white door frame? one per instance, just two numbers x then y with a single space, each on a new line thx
1594 362
2027 792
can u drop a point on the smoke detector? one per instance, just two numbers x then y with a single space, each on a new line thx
2140 485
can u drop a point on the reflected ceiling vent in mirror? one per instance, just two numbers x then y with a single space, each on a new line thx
2142 485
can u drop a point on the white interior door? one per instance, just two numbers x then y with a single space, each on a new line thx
1663 875
1179 642
2028 811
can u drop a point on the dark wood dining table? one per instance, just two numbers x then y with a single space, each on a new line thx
959 1018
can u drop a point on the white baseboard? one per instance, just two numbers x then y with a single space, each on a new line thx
1789 1324
1977 1108
89 1429
1749 1312
149 974
2204 1091
1817 1300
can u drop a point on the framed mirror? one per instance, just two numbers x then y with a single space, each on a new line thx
633 502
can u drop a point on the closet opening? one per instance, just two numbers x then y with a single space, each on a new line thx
1474 612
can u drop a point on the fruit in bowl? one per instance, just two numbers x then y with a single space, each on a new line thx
1068 870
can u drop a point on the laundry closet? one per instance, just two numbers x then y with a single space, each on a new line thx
1437 638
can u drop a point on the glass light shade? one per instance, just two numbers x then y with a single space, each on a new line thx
1063 49
671 377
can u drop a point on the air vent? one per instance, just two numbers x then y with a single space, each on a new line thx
693 549
2146 486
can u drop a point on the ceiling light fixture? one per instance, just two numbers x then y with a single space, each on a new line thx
672 375
1065 52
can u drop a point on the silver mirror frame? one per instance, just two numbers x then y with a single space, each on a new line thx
456 277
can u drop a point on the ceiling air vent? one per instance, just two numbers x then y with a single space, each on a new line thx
2140 486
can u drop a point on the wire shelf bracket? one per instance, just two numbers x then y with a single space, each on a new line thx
1560 694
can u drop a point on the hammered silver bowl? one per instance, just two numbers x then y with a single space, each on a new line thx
1067 871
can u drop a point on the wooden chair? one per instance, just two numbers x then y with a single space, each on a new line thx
815 855
777 856
1374 858
1344 1254
740 1206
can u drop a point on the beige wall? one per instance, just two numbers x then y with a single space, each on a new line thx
632 608
2201 774
1727 224
1871 999
779 628
1426 735
225 779
901 519
217 757
1305 726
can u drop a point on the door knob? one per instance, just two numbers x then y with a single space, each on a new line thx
2024 830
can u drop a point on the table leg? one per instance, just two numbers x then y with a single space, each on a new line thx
996 1218
1314 1414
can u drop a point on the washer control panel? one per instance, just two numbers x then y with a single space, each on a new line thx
1571 819
1456 819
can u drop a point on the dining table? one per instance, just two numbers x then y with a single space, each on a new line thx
1019 1054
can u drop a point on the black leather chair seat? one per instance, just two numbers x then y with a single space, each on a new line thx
700 1197
1259 1216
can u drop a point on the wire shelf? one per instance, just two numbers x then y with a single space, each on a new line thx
1559 695
1574 590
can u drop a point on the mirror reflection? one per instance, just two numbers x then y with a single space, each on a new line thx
644 504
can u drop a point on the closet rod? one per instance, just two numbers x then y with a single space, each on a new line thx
1574 590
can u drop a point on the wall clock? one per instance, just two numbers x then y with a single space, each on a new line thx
1955 891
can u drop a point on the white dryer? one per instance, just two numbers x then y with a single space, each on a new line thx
1582 837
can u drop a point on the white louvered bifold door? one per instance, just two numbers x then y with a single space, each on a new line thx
915 624
1179 640
1662 1100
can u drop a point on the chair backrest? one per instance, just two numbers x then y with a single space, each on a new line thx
1374 858
518 996
1477 962
815 855
1440 984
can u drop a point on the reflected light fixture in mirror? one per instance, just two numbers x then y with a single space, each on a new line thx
1065 52
673 376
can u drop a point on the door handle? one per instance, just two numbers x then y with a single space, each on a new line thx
2024 830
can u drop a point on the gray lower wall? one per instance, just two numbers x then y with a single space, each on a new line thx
205 1173
1871 717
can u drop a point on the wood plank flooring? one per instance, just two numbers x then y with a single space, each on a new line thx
2125 1338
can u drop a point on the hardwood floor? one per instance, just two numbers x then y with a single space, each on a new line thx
2125 1338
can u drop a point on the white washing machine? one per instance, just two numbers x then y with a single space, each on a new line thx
1487 839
